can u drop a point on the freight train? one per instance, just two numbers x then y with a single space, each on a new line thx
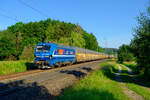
49 55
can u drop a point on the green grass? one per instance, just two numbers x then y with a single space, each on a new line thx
8 67
95 87
114 68
131 65
123 67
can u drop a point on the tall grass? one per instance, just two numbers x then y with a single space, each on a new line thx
8 67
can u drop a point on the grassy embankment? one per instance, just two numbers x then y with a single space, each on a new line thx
96 86
8 67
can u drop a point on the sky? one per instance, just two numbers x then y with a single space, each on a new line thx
111 21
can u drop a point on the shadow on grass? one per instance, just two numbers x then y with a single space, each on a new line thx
86 94
125 77
20 90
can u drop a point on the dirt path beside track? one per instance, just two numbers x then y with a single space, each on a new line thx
128 92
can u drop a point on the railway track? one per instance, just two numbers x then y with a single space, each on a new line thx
41 78
15 75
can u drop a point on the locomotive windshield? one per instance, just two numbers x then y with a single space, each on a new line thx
43 48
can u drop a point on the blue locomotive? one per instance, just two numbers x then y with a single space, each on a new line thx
49 55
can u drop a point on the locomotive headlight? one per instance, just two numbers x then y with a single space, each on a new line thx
38 56
50 57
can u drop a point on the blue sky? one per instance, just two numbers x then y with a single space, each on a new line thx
111 21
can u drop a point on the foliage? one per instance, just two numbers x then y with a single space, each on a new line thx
22 35
91 42
141 44
77 40
15 30
100 49
125 53
7 48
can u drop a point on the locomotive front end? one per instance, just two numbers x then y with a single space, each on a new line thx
43 54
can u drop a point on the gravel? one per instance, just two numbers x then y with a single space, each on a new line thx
45 85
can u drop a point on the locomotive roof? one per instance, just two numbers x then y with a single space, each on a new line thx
71 47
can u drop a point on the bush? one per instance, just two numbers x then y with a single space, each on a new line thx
125 54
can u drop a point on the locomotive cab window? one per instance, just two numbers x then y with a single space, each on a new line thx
43 48
56 51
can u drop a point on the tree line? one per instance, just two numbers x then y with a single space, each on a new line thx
18 41
139 48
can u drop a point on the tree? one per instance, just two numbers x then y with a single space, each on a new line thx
77 40
100 49
7 48
91 42
125 54
141 44
17 37
27 35
50 33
